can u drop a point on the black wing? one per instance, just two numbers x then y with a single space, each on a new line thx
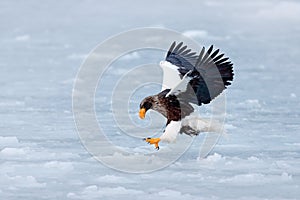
210 73
182 57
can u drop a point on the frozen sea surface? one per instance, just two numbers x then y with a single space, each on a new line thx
42 45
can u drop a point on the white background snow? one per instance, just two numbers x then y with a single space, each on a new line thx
43 43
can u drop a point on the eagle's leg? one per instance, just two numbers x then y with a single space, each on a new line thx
154 141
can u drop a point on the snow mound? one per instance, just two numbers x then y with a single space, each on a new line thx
76 56
212 159
113 179
8 141
21 181
170 193
28 153
203 34
256 179
195 33
22 38
12 152
59 165
251 104
281 11
95 192
130 56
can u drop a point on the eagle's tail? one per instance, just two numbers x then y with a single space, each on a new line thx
194 125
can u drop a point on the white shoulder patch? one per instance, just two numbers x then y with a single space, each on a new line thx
181 86
171 76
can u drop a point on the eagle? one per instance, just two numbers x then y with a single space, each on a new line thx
189 80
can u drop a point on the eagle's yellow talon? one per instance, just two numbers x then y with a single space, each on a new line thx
154 141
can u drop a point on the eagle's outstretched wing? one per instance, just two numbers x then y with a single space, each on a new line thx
179 60
200 78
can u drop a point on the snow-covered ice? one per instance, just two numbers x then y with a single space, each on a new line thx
42 46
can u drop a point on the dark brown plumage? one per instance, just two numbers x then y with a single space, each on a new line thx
168 106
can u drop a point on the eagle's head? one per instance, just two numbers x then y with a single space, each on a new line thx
145 105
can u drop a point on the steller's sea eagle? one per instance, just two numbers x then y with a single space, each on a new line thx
189 79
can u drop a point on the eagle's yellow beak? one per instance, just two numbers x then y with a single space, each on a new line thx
142 113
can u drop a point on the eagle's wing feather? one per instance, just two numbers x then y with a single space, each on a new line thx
179 60
213 74
171 76
208 73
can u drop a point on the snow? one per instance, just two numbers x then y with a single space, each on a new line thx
15 182
77 56
257 179
113 179
130 56
94 192
42 48
9 141
59 165
196 33
22 38
204 35
281 11
12 152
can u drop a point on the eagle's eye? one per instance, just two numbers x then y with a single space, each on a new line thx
147 105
